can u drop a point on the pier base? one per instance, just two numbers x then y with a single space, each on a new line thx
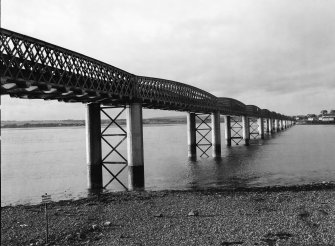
246 130
216 135
135 147
191 136
93 146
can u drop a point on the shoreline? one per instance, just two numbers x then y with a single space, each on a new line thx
300 215
294 188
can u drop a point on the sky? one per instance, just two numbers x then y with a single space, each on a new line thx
278 55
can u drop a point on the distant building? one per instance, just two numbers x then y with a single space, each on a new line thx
329 117
300 117
312 117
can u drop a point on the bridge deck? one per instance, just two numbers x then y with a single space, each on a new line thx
34 69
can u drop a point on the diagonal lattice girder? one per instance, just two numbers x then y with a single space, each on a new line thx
254 128
203 129
236 129
113 139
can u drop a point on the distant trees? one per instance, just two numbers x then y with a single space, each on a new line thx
323 112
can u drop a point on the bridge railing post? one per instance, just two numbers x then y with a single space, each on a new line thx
93 146
246 130
135 147
191 136
216 134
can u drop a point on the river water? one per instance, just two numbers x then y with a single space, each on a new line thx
35 161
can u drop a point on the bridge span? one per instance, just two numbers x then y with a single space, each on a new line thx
34 69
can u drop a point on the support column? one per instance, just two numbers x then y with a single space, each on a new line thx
281 125
93 146
227 129
267 125
260 123
191 136
275 125
246 130
135 147
271 125
216 134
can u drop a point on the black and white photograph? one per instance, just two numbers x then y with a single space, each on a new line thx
167 122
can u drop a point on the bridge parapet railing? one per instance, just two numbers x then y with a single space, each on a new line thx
231 106
253 111
266 113
24 58
175 94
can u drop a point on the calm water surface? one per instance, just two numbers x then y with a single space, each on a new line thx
35 161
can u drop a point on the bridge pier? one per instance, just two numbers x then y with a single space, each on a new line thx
281 125
261 127
216 134
191 136
227 129
245 130
135 147
275 125
267 125
93 146
271 126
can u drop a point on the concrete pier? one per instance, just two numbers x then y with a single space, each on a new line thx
275 125
135 147
271 127
93 146
216 134
191 136
278 125
281 127
260 123
227 130
246 130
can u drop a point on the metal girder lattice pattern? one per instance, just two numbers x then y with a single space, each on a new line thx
113 138
236 129
31 68
34 69
254 131
203 129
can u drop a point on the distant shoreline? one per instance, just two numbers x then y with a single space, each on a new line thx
316 123
70 123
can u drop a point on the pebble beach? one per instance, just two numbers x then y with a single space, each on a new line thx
266 216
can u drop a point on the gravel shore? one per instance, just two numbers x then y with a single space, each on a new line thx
207 217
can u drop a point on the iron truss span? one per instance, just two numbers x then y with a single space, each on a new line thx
34 69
